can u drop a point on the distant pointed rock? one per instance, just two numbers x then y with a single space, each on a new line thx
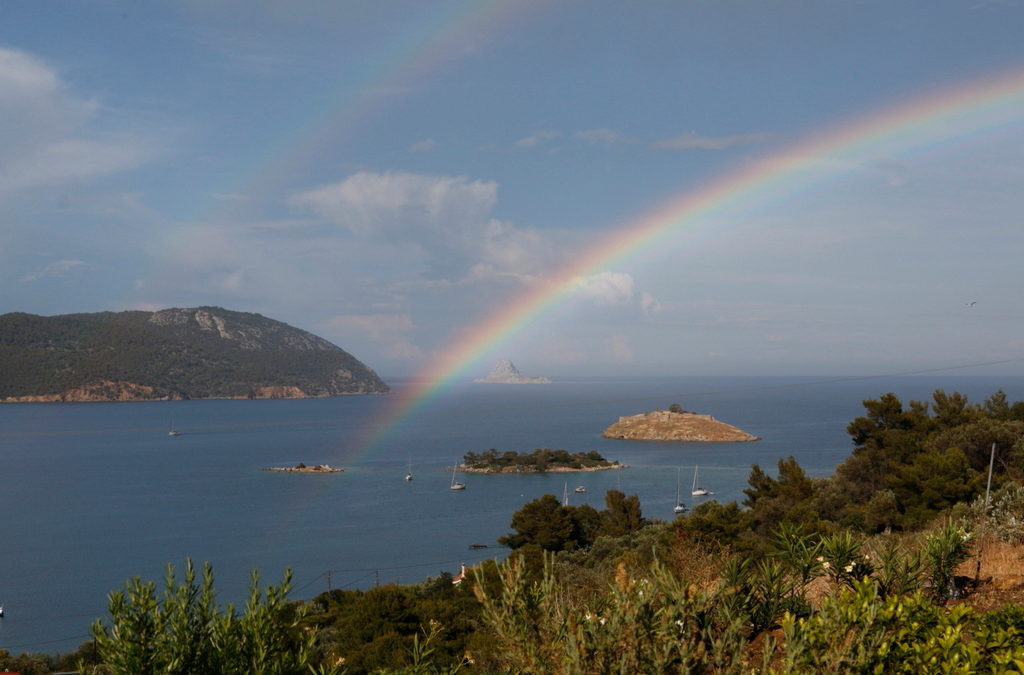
504 372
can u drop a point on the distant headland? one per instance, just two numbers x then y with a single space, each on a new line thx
504 372
676 424
171 354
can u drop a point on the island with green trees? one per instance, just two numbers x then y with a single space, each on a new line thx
540 460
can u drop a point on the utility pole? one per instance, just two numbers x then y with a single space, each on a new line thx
376 574
988 490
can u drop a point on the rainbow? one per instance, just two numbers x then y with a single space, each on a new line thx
956 113
438 36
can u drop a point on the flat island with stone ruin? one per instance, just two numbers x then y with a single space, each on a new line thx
302 468
676 424
541 460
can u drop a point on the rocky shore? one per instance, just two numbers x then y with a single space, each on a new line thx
302 468
664 425
551 469
105 391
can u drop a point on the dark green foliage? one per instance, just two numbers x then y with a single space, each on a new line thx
543 522
43 664
787 498
715 522
912 463
540 460
175 354
547 525
381 627
930 483
622 514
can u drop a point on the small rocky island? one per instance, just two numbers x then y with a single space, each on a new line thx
676 424
302 468
504 372
541 460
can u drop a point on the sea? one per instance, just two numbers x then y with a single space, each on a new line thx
93 494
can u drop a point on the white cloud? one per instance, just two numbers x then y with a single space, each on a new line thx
448 218
388 331
425 145
58 268
617 349
615 289
386 203
606 288
537 138
602 137
649 304
47 136
688 141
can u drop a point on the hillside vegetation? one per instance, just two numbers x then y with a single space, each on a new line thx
203 352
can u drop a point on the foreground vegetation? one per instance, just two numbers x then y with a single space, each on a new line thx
888 566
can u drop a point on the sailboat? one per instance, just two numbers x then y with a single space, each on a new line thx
173 431
565 494
408 473
680 507
456 485
697 491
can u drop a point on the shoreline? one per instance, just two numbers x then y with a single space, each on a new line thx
302 468
555 469
46 398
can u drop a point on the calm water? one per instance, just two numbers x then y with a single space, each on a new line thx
92 494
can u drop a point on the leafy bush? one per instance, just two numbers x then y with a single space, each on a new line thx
182 630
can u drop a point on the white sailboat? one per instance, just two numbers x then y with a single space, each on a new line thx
698 491
173 431
456 485
680 507
408 473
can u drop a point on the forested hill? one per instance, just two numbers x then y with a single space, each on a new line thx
202 352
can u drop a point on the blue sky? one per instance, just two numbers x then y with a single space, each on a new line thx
388 174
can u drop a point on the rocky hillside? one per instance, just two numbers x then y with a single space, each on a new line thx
662 425
504 372
203 352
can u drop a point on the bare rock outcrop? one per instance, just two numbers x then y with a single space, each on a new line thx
663 425
103 390
504 372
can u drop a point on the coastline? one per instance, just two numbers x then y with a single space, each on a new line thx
555 469
302 468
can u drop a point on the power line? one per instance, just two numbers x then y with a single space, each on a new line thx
48 642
